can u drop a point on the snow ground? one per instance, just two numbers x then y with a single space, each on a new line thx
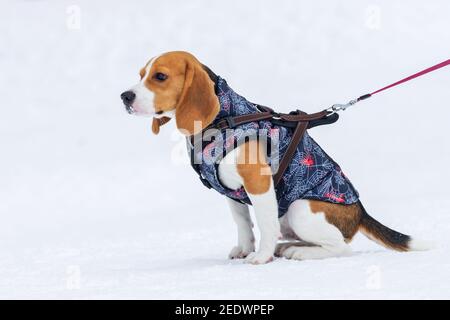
93 206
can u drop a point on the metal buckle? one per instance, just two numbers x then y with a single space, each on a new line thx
338 107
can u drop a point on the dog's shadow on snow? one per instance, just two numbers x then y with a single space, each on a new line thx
203 262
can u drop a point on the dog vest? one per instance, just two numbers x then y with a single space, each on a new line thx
311 173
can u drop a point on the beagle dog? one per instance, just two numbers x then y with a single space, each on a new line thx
175 85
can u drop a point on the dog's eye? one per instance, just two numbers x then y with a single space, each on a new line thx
160 76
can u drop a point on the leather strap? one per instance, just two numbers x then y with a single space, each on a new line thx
304 116
231 122
287 157
296 115
299 119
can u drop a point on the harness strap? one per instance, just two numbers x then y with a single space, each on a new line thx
297 120
296 116
304 116
287 157
231 122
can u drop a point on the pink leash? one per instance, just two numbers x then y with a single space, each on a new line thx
338 107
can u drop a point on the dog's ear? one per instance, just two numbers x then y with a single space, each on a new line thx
158 122
198 101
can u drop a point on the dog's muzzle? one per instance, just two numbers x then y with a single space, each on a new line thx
128 98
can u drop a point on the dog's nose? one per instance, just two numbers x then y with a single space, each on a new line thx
128 97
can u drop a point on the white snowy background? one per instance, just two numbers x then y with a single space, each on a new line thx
92 205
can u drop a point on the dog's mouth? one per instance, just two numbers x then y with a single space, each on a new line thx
130 109
136 111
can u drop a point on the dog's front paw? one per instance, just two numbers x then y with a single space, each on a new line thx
259 258
240 252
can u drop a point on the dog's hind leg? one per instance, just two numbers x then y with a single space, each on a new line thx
289 237
281 247
314 228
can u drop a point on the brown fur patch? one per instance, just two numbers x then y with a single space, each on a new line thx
344 217
253 168
168 92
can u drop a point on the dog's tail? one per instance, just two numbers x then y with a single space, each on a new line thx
387 237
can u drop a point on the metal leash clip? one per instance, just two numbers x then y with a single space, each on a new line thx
338 107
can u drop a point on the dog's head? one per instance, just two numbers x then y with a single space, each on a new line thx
174 84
